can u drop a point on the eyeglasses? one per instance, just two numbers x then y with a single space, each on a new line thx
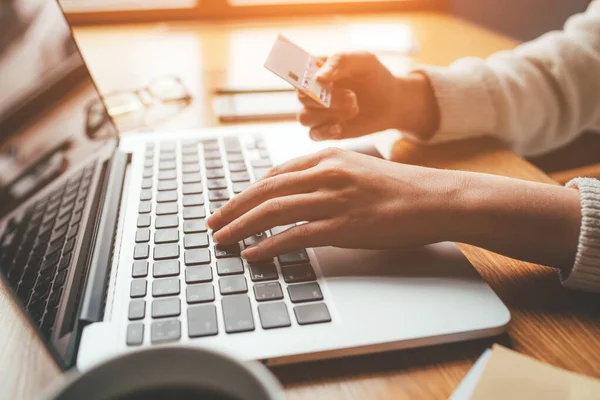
130 109
166 90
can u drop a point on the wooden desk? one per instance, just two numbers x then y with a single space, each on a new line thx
549 322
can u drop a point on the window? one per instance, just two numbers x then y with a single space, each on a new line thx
119 11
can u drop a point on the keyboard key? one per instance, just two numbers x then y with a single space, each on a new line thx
237 314
190 158
237 167
167 175
165 268
147 173
215 173
279 229
137 309
268 291
198 274
165 331
194 226
298 273
194 212
167 166
210 144
273 315
142 235
192 188
240 177
197 256
165 287
255 239
76 218
235 158
145 207
215 205
202 321
312 314
232 143
233 285
139 269
162 308
217 184
167 208
166 251
146 194
135 334
190 168
293 257
261 163
141 251
305 292
210 164
147 183
166 196
216 195
167 221
166 236
69 246
263 272
195 241
143 221
232 250
191 178
193 200
239 187
212 154
138 288
260 172
65 261
167 156
167 146
230 266
199 293
167 185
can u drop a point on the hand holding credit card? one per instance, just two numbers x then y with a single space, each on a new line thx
297 67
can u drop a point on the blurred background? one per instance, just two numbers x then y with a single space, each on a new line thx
213 50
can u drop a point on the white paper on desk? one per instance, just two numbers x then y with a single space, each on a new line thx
469 382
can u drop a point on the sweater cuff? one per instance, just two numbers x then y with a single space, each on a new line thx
464 102
585 274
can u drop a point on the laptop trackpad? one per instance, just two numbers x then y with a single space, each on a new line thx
442 260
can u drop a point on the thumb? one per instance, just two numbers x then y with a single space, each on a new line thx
345 65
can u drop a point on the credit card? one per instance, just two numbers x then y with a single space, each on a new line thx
297 67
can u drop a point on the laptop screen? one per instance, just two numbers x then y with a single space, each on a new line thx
51 114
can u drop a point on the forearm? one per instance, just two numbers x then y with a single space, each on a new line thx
525 220
535 98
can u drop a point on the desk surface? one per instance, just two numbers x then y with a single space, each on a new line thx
549 322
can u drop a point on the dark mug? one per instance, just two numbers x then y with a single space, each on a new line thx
183 373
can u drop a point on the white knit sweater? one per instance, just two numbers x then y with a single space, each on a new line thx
535 98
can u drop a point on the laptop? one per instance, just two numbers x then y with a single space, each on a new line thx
104 243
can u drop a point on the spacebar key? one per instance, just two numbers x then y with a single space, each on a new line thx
237 313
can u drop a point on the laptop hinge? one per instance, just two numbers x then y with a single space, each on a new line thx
92 307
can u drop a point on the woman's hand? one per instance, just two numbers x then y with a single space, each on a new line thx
368 98
348 199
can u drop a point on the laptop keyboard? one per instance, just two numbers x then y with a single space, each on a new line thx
36 249
180 275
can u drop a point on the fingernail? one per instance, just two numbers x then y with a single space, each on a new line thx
220 236
250 252
315 134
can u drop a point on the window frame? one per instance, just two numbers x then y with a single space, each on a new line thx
223 10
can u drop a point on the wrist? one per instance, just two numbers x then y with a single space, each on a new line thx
415 108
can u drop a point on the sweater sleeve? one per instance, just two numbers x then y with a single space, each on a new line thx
536 97
585 273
